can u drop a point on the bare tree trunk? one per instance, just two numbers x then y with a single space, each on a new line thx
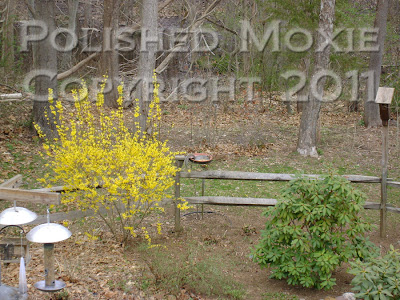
87 14
109 64
72 27
246 55
45 59
7 12
147 57
304 92
371 109
307 142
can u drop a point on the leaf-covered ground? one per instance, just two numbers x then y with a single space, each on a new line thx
211 258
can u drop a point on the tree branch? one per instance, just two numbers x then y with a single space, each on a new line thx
222 26
164 5
75 68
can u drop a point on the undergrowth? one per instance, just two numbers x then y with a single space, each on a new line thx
192 269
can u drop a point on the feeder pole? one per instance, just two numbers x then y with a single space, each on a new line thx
384 98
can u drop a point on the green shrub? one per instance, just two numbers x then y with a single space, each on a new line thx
313 229
377 278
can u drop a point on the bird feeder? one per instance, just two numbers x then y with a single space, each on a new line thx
48 234
384 98
15 216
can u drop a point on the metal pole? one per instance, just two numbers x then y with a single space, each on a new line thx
202 194
385 151
178 226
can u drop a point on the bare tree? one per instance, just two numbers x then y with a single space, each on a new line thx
45 59
87 14
147 57
109 57
307 142
371 109
66 59
7 11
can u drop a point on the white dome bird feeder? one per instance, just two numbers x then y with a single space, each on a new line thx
16 216
48 234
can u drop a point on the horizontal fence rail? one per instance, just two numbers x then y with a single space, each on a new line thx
235 175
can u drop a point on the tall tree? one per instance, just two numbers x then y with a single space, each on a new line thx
45 59
7 13
147 57
87 14
371 109
109 57
66 59
307 142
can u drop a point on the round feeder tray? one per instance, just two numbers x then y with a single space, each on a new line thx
201 158
17 216
41 285
48 233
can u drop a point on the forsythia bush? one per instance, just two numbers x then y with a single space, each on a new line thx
120 175
312 230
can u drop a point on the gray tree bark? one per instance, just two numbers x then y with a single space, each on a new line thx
66 60
109 64
307 141
45 59
87 14
7 13
147 58
371 109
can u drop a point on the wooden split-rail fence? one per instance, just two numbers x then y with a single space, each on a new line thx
10 191
382 206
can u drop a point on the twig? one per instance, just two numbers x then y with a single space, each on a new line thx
222 26
164 5
10 87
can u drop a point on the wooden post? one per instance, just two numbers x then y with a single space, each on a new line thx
14 182
384 97
11 194
179 162
385 135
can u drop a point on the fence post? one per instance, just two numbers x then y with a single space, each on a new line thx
179 159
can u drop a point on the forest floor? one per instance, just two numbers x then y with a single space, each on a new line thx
210 259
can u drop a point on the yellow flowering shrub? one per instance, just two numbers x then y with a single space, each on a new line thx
119 173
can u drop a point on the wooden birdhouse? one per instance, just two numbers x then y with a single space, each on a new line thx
384 97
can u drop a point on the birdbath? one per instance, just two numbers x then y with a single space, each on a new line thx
202 159
48 234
